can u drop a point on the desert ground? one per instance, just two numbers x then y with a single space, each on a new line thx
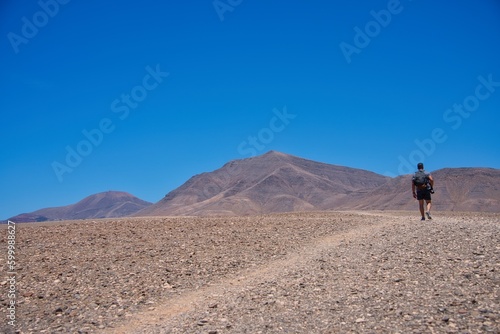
315 272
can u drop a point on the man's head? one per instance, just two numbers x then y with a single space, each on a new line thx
420 166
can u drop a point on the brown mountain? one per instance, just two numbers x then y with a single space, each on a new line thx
273 182
456 189
277 182
102 205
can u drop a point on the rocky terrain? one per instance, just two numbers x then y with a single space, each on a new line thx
317 272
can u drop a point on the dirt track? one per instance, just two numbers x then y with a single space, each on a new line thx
290 273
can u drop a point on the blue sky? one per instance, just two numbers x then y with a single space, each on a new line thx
140 96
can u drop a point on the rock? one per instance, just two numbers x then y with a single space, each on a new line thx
202 322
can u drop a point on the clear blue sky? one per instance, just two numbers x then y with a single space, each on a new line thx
169 89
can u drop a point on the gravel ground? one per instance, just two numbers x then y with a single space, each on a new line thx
381 272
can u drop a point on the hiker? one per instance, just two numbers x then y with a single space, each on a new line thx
423 183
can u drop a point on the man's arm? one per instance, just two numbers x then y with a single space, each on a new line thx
431 180
413 189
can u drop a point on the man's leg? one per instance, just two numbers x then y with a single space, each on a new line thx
429 206
421 207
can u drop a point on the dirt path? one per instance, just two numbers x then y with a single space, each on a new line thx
396 274
193 300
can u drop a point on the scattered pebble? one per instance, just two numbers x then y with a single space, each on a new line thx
296 273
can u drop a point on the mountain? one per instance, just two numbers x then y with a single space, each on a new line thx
102 205
456 189
277 182
273 182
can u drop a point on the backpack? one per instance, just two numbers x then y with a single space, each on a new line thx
420 179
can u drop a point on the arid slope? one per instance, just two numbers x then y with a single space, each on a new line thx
102 205
273 182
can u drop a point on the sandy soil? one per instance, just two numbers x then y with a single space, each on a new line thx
336 272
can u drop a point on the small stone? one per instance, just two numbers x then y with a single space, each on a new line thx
202 322
360 320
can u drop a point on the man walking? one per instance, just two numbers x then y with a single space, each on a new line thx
422 187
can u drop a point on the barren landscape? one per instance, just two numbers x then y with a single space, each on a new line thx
276 182
315 272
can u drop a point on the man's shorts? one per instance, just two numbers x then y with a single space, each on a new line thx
424 194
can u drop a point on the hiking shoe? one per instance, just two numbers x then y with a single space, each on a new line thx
428 215
423 218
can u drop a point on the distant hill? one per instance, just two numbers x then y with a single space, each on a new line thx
277 182
273 182
102 205
456 189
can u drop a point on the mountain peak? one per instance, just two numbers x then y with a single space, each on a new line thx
275 153
271 155
279 182
272 182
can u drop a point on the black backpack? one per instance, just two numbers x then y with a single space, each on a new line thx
420 179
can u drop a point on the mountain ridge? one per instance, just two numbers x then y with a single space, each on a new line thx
279 182
288 183
272 182
108 204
